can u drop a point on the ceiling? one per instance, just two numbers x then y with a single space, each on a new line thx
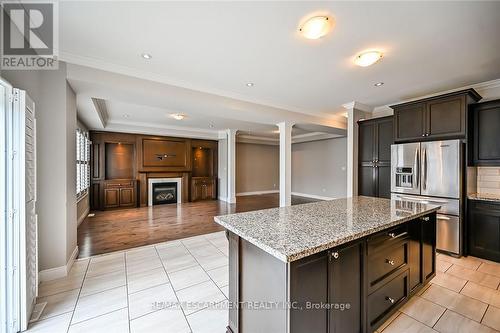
204 53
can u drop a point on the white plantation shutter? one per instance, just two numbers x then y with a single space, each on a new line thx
82 162
18 235
29 222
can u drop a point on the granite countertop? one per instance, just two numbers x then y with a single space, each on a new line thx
295 232
484 197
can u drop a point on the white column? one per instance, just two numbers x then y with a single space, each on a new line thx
355 112
231 165
285 129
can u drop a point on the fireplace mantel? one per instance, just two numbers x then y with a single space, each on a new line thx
152 181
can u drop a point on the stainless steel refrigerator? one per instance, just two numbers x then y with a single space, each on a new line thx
432 172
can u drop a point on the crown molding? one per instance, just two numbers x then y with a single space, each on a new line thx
357 106
482 88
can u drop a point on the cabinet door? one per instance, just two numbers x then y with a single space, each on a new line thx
428 224
484 228
487 133
383 181
127 197
366 143
309 283
111 197
409 122
415 276
384 140
344 287
367 181
210 190
446 117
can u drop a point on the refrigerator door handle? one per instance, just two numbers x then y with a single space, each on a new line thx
424 180
417 168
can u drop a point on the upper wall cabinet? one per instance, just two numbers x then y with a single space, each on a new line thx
487 133
434 118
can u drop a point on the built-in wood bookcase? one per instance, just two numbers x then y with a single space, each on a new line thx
121 165
203 176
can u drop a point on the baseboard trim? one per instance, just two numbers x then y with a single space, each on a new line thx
58 272
312 196
84 215
241 194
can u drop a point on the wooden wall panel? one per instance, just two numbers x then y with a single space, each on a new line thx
136 157
164 153
120 160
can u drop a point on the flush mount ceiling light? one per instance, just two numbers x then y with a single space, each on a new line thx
368 58
178 116
250 84
378 84
316 27
146 56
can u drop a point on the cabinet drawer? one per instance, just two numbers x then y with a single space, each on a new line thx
383 302
386 262
387 238
125 183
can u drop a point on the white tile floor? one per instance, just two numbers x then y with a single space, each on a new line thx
134 291
137 290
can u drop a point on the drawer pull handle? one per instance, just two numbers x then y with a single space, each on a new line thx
393 234
425 218
335 255
390 262
390 299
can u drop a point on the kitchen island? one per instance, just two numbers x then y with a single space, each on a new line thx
342 265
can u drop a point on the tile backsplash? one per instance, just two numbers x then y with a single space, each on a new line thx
488 180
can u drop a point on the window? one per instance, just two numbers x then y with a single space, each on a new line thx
82 162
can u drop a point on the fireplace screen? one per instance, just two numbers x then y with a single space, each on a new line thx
164 193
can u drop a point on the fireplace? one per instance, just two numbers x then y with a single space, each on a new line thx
164 193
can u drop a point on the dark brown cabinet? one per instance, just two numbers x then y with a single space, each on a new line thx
344 287
202 188
204 157
351 288
484 229
119 193
374 169
409 122
439 117
486 117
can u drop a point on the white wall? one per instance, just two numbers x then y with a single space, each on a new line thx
222 171
56 153
71 207
319 168
257 168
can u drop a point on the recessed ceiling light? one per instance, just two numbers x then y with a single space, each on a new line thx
367 58
146 56
126 116
378 84
316 27
178 116
211 125
250 84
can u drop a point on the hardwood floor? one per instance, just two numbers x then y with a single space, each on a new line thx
116 230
